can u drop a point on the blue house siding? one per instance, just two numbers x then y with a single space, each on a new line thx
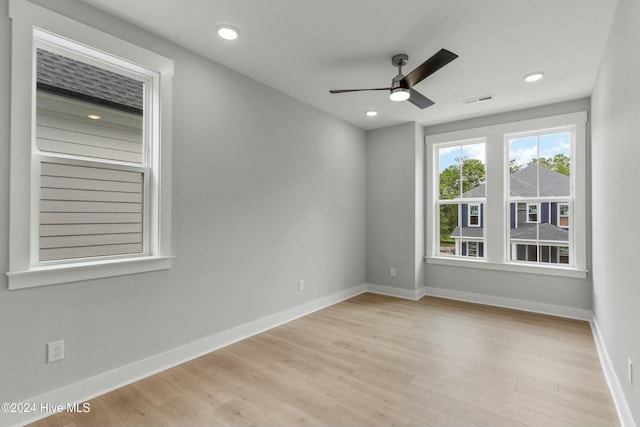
465 215
544 211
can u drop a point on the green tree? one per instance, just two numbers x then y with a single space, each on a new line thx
560 163
514 166
473 175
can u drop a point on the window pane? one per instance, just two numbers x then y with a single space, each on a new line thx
449 230
458 237
462 171
89 212
87 111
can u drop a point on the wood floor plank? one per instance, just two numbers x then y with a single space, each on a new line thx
184 411
375 360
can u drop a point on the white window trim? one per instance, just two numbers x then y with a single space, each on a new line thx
469 214
564 216
537 213
23 271
496 242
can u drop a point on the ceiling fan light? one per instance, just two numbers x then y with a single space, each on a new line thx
399 94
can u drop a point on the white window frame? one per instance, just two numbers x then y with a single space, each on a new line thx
568 205
31 22
540 200
496 207
537 205
458 202
479 205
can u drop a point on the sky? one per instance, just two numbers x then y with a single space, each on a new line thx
449 155
523 150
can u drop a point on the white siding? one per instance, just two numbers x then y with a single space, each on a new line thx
62 126
79 219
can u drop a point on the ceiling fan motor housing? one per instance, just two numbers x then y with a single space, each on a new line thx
399 60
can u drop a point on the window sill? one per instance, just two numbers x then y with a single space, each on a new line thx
513 267
50 275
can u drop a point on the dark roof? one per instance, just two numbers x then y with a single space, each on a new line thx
74 79
523 232
546 232
523 184
468 232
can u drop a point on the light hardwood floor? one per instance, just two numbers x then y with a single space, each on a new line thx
379 361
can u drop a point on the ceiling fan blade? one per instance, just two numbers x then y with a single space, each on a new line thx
357 90
428 67
419 100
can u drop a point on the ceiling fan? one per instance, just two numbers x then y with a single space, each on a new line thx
402 86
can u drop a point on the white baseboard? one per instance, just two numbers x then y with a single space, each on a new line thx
412 294
87 389
517 304
626 419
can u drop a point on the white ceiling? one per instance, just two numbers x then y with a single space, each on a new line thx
304 48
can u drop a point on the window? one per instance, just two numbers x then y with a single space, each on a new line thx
90 188
563 215
461 195
474 215
540 164
532 212
515 213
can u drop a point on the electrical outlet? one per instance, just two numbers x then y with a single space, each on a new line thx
392 272
55 351
300 285
630 371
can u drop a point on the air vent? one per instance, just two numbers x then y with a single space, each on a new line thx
478 99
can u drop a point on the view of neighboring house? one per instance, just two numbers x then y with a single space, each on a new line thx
539 231
94 116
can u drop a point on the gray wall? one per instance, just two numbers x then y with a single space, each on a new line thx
395 188
616 150
266 191
568 292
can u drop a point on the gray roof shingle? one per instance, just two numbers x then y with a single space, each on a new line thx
546 232
523 232
68 77
477 232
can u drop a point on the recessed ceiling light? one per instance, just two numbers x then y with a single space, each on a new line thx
228 32
371 113
533 77
94 116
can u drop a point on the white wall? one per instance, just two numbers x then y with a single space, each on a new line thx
266 191
616 150
395 206
557 295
